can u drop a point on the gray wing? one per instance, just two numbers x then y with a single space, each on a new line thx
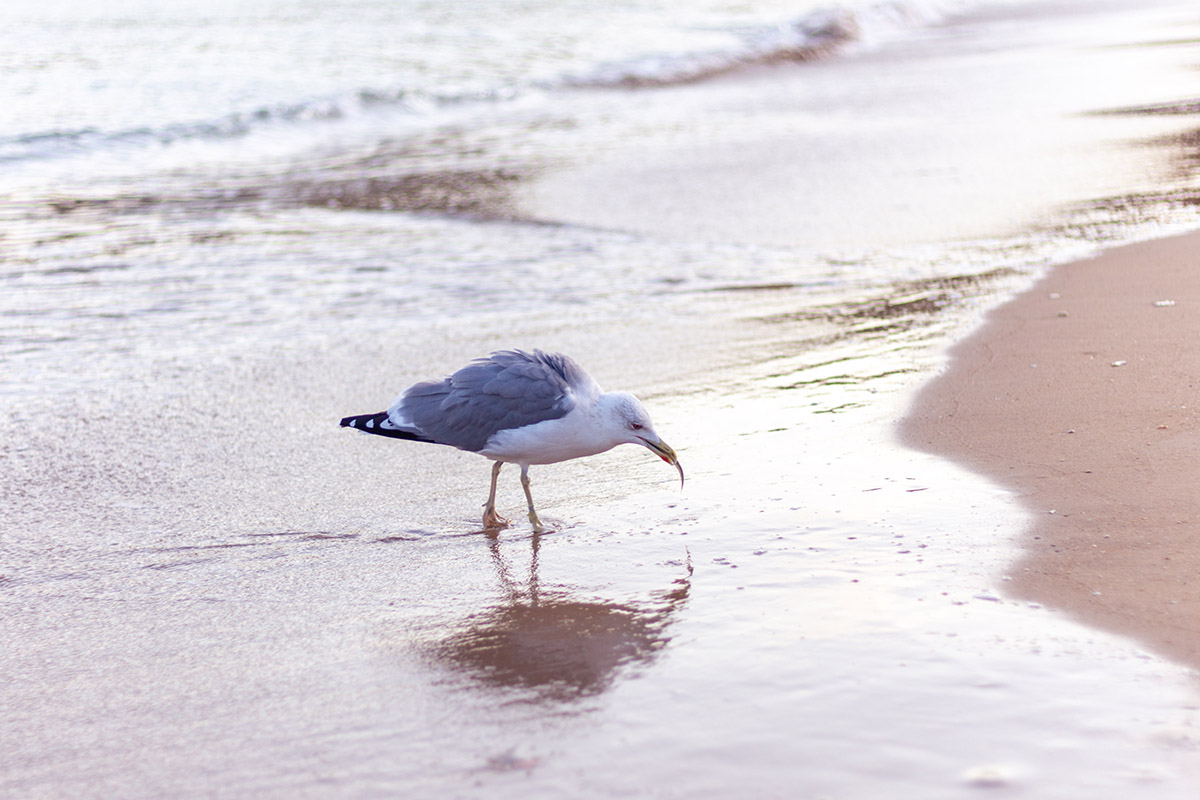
508 389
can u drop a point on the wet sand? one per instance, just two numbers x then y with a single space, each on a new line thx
1080 396
209 587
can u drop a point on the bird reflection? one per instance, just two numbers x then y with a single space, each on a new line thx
555 646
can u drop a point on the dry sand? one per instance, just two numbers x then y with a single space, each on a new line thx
1081 396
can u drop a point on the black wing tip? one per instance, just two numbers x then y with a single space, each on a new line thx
360 420
373 423
368 423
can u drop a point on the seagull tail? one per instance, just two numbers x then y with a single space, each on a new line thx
380 425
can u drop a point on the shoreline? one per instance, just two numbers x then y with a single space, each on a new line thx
212 583
1079 397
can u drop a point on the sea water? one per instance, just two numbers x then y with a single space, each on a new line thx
223 229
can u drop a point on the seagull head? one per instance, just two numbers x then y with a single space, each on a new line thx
630 424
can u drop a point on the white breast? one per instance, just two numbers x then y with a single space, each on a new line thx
575 435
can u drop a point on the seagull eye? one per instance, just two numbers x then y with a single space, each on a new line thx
635 426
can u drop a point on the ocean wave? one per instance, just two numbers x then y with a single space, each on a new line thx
817 35
53 144
63 143
820 34
806 40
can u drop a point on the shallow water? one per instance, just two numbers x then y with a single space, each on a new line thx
209 587
837 627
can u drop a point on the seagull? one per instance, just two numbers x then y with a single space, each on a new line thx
515 407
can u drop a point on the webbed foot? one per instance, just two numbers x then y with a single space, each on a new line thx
493 521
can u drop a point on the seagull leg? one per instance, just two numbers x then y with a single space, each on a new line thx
533 517
491 520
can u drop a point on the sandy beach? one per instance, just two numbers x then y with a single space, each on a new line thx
1080 396
770 234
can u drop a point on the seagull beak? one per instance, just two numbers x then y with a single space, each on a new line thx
664 451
